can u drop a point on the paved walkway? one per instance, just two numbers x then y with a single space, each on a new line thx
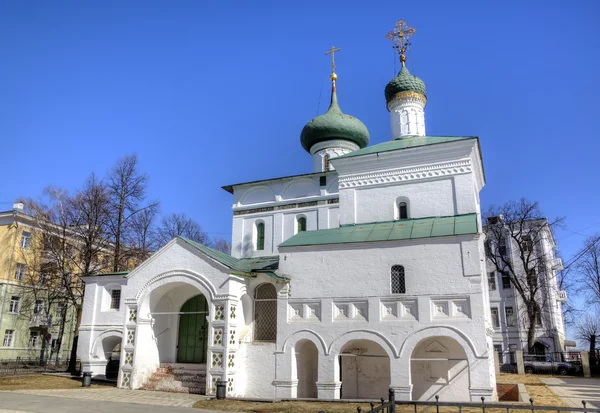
573 391
110 399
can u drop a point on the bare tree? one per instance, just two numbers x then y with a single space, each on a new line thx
588 329
126 190
519 246
141 237
220 244
588 269
175 225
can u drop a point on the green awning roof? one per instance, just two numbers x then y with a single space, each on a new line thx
388 231
405 143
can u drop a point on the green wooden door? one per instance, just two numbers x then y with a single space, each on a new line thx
191 347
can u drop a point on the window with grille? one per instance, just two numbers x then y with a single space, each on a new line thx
301 224
495 318
115 299
14 305
398 281
20 272
265 313
326 162
8 338
260 236
492 281
25 239
402 210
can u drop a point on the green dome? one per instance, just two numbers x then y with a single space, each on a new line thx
404 82
334 125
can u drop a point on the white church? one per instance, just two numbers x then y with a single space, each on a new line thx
366 274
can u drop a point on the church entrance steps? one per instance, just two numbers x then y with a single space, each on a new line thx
178 378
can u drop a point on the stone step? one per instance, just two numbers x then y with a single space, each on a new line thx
178 378
184 366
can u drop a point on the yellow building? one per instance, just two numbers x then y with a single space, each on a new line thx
28 313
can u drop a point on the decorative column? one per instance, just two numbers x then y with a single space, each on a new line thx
223 345
128 346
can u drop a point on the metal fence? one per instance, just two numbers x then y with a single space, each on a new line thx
24 366
390 405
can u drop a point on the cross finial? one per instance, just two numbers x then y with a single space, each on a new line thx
400 35
332 53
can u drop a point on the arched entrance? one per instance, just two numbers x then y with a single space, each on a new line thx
364 370
439 366
307 363
193 331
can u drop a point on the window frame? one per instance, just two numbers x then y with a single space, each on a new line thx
14 307
254 312
492 281
506 285
260 236
25 239
301 228
496 320
21 270
402 210
38 307
401 279
33 337
9 336
510 319
111 304
326 159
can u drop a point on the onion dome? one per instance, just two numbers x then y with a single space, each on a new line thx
404 82
334 125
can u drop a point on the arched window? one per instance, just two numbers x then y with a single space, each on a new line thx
301 224
402 210
260 236
326 162
398 282
265 313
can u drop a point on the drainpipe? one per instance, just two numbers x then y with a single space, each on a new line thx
10 263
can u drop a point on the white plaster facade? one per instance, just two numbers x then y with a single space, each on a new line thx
340 328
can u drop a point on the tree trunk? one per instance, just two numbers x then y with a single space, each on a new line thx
117 254
73 359
43 350
61 334
593 344
531 315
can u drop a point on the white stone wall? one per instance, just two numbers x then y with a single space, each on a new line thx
407 116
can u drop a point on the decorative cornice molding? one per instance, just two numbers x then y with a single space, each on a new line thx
406 174
334 143
403 98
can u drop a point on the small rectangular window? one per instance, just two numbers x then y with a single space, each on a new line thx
20 272
505 280
498 349
398 280
495 318
526 243
25 239
8 338
14 305
115 299
538 320
510 316
38 307
322 180
260 237
492 281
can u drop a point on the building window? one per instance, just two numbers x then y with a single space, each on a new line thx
260 236
505 280
495 318
510 316
492 281
25 239
20 272
398 281
14 305
265 313
326 162
301 224
498 349
8 338
60 311
402 210
38 307
538 319
34 337
322 181
502 248
527 243
115 299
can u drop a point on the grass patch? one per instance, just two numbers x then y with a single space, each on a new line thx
41 382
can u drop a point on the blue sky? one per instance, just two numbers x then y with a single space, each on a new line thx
212 93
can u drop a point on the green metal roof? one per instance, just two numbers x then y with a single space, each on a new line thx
245 266
229 188
406 143
108 273
388 231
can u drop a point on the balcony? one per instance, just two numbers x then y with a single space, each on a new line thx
557 264
40 320
561 296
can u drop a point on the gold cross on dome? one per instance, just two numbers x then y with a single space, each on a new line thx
400 35
332 53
